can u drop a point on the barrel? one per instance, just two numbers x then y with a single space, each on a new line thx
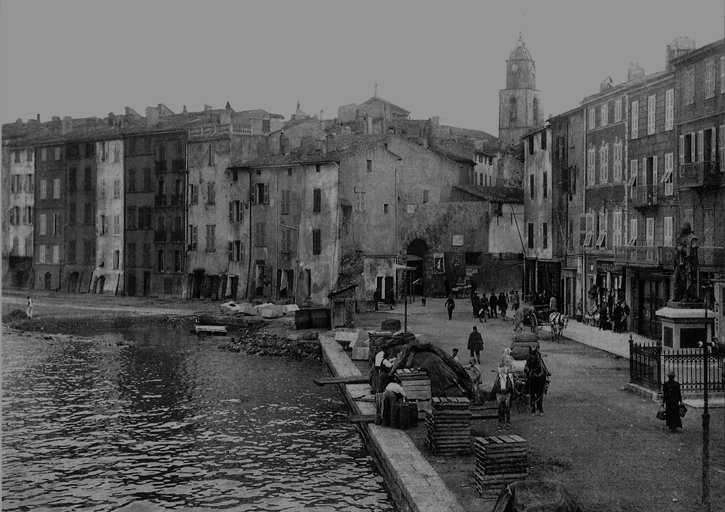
413 409
404 415
395 415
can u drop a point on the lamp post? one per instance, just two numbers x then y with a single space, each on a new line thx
705 414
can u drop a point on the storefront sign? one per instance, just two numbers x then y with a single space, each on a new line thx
457 240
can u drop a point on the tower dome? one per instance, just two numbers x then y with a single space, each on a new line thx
520 68
520 52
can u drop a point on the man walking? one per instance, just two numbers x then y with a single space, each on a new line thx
671 399
450 305
475 344
493 304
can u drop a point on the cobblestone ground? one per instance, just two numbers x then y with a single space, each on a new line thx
603 443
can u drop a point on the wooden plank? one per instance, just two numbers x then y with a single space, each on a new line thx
353 379
210 329
362 418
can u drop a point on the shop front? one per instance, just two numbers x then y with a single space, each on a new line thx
650 292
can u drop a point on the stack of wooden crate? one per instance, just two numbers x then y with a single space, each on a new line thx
449 426
416 385
500 460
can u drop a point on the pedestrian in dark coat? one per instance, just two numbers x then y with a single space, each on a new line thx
617 315
475 344
493 304
537 374
671 399
476 304
603 317
503 304
484 308
450 305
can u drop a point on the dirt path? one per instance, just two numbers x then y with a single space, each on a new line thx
603 443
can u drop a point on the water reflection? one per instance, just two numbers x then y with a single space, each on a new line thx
170 422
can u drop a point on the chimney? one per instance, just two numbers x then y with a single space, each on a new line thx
283 143
635 71
152 116
184 111
111 119
38 118
321 112
677 48
66 125
321 146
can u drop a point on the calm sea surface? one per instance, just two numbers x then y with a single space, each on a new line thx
165 421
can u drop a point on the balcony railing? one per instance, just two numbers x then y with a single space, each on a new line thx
160 200
699 174
219 130
645 196
645 256
711 257
161 165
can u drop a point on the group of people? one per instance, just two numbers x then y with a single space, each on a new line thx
504 386
485 307
613 316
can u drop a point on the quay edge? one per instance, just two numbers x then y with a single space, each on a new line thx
413 483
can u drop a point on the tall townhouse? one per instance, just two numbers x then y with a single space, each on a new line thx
602 222
108 274
542 263
50 211
567 197
700 121
82 220
155 179
218 203
19 210
646 253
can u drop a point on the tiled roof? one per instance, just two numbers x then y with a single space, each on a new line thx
453 157
496 194
344 146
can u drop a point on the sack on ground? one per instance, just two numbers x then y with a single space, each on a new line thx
661 413
683 410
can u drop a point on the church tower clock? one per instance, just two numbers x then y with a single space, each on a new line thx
519 106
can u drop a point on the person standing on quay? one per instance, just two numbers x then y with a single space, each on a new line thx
484 308
476 303
450 305
503 304
493 304
671 399
29 310
475 344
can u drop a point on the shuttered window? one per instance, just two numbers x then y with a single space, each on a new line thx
635 120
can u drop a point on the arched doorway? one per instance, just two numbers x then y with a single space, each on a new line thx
48 280
416 255
101 284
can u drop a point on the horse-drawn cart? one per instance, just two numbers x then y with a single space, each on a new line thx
543 316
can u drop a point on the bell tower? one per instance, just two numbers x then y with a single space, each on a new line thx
519 105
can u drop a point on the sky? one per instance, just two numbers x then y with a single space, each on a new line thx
83 58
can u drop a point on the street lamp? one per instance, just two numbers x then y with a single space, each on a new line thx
705 414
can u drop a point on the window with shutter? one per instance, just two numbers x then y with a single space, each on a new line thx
633 231
700 146
667 176
635 120
650 232
669 109
617 111
316 200
651 109
668 232
531 235
617 228
266 193
316 241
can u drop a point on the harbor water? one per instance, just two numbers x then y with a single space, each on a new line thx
160 420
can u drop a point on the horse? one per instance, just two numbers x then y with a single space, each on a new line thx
558 322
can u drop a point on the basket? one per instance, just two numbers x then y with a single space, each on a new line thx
661 413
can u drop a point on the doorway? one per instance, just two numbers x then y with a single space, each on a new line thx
48 280
146 284
131 285
73 283
416 257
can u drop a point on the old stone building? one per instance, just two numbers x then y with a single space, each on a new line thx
648 217
567 198
18 199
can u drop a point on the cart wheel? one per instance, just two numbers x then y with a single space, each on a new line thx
521 403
